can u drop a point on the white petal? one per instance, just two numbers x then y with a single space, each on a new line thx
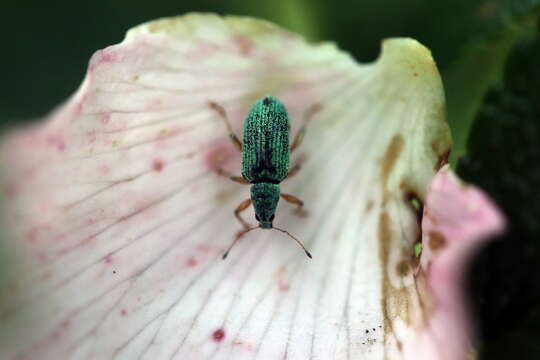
117 219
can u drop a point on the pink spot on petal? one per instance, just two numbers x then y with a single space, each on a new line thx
243 44
123 312
282 279
204 248
91 136
217 157
108 56
45 275
105 118
243 345
10 190
284 286
108 259
218 335
57 141
192 262
42 257
104 169
38 232
78 109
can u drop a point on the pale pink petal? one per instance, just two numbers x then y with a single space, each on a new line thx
457 220
115 219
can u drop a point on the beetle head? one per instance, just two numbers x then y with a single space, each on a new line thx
265 197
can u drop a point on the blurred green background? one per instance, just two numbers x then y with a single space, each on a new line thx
488 54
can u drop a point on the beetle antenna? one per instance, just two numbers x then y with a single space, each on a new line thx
237 237
295 239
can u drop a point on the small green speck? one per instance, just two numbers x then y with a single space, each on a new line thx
416 204
417 249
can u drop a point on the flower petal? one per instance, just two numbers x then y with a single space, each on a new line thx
117 218
457 220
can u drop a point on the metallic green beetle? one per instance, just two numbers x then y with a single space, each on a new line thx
265 160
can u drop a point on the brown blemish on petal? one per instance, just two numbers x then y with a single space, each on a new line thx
443 134
164 133
369 206
158 165
222 197
395 302
443 159
442 151
301 212
403 268
391 155
403 184
436 241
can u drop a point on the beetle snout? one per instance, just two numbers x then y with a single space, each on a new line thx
265 224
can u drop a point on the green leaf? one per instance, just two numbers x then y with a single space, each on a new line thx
478 69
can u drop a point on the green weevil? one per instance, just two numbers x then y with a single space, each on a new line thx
265 161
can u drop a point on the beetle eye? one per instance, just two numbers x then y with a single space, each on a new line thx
272 217
257 217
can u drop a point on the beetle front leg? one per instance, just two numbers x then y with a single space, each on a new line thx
238 179
308 115
223 114
296 201
243 206
294 170
292 199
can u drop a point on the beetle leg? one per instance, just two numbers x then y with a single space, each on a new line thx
294 170
223 114
292 199
308 115
296 201
238 179
243 206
